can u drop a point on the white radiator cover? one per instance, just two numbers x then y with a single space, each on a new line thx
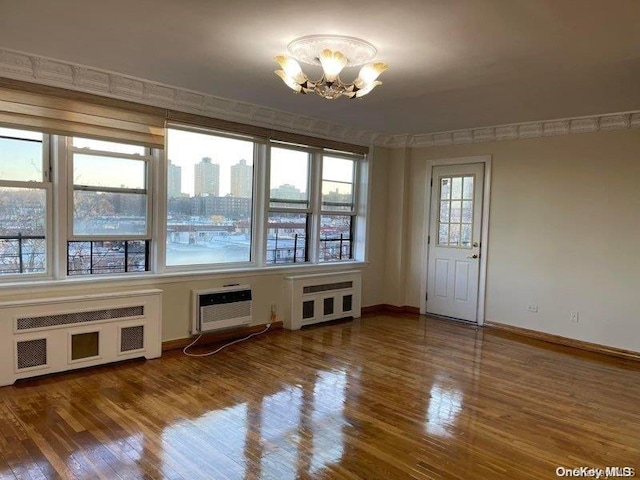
37 335
322 297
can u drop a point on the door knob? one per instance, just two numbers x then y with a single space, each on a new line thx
475 255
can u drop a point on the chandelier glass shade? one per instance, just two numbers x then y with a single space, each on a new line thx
333 53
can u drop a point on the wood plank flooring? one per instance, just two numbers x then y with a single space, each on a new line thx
384 397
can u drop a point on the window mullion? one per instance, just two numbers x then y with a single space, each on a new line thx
315 203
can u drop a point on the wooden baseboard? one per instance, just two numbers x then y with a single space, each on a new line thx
216 337
386 308
567 342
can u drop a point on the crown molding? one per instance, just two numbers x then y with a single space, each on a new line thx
548 128
57 73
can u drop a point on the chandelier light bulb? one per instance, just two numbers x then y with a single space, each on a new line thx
333 53
369 73
332 64
291 68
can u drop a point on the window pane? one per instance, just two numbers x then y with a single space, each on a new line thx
287 238
289 178
337 196
108 172
22 211
104 257
108 146
23 255
209 199
456 188
109 214
337 183
20 155
339 169
335 238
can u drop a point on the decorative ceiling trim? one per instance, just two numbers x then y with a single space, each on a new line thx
565 126
47 71
56 73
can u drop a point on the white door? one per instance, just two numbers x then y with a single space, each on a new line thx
454 241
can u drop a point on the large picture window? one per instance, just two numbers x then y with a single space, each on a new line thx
110 231
209 198
24 194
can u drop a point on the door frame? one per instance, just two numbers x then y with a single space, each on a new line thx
484 236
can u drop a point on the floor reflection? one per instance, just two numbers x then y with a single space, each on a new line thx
214 443
445 404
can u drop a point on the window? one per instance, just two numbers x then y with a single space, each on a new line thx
24 199
338 209
214 200
306 222
289 206
110 231
209 198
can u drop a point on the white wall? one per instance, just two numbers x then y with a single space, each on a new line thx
564 233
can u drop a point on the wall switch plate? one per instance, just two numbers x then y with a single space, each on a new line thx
573 316
532 308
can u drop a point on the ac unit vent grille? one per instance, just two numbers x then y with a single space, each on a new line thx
32 353
327 287
27 323
225 311
132 338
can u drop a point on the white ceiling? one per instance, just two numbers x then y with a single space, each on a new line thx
453 63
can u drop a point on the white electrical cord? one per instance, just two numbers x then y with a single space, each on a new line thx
184 350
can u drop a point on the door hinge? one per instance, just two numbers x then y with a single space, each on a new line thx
428 239
426 296
431 182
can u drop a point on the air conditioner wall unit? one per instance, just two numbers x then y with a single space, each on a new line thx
220 308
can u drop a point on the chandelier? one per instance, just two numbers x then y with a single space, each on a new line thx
332 53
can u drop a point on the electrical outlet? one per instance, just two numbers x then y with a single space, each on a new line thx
274 308
532 308
573 316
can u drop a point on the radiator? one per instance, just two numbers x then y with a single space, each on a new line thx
221 308
48 335
322 297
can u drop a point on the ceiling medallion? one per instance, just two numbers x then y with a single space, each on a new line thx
332 53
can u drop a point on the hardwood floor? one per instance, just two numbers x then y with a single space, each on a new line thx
388 397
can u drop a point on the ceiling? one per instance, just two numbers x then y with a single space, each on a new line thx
453 64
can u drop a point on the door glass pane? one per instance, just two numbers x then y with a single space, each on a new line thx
444 212
456 188
466 211
445 188
467 190
443 234
465 235
455 212
454 234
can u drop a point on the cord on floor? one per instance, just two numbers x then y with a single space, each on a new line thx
184 350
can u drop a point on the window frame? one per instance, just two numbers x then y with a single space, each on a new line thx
45 184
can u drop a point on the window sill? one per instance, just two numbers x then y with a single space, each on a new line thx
17 287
